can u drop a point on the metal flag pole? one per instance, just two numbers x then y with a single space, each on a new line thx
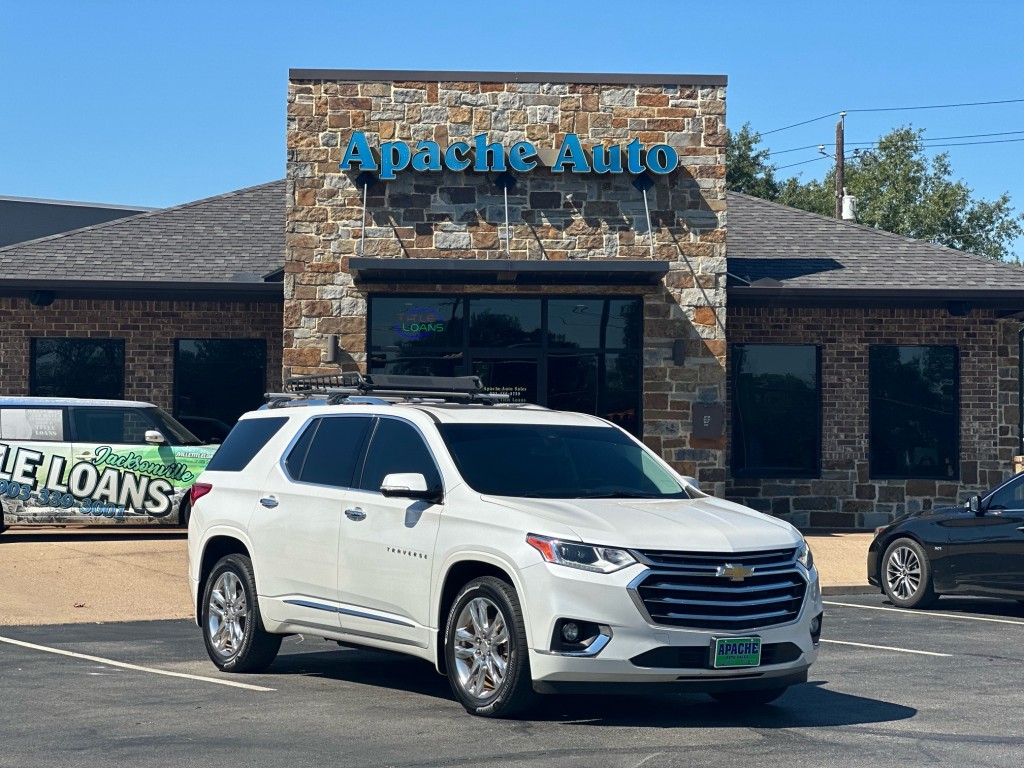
362 228
650 231
508 234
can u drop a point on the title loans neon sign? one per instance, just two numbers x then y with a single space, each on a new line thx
521 157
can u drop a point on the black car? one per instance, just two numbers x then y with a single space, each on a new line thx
974 549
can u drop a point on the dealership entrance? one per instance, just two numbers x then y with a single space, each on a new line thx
576 353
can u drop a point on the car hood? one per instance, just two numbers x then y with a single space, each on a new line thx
705 524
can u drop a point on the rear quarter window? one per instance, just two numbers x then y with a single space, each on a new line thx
243 442
46 424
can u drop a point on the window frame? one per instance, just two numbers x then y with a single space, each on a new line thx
360 452
357 477
176 396
758 473
957 414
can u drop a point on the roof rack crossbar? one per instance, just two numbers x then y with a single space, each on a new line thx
356 388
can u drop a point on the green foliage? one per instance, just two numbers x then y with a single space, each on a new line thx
898 187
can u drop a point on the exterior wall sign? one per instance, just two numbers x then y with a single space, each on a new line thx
572 156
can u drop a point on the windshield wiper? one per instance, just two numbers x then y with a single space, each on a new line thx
620 495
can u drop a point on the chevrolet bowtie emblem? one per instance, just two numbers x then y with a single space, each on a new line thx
734 572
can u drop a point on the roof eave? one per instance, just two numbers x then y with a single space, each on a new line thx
171 290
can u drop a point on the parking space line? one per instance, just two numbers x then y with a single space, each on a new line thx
136 667
926 613
886 648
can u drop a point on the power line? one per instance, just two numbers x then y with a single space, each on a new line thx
873 143
897 109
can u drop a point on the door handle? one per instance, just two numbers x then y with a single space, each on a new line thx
355 513
269 503
1021 529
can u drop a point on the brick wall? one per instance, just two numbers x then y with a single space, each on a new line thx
553 216
845 496
149 329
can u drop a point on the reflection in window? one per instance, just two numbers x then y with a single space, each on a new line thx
92 368
216 381
776 408
914 408
126 426
575 354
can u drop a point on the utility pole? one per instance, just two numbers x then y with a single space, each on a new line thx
840 151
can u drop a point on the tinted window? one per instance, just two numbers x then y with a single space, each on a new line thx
914 407
397 447
1010 496
776 408
244 442
110 425
333 450
556 462
31 424
216 381
92 368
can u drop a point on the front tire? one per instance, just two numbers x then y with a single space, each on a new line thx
485 649
743 699
232 626
907 575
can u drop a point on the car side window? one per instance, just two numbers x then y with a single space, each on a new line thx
32 424
397 446
110 425
1009 497
328 450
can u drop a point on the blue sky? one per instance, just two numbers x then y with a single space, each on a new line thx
159 103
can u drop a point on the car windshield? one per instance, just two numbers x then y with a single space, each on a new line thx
175 433
557 462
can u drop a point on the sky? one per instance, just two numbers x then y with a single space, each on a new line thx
158 103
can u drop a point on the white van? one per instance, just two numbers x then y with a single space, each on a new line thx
67 460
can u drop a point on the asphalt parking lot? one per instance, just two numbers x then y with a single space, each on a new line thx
890 688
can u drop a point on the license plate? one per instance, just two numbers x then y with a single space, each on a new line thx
736 652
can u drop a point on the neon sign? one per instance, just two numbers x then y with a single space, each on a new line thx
419 323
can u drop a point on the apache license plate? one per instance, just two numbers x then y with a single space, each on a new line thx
736 652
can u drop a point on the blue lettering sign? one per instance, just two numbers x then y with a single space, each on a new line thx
358 151
571 153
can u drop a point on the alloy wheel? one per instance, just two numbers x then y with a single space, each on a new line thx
482 648
228 615
903 573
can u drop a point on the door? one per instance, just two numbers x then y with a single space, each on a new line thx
297 520
387 544
987 551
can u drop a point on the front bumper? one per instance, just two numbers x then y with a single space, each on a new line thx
555 592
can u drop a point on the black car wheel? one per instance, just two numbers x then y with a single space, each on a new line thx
907 575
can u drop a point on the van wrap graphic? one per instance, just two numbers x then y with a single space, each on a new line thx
116 483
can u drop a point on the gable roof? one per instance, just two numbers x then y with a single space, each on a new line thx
817 257
226 244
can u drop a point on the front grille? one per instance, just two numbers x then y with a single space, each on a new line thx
683 589
699 657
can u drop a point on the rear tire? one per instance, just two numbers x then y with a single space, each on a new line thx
184 513
741 699
485 649
906 575
232 626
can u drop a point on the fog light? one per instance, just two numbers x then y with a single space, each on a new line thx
570 632
816 629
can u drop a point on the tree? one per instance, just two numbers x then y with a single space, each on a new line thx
898 187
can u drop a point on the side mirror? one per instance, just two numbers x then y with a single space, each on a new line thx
974 504
690 481
409 485
155 437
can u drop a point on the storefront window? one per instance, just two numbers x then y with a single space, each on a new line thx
92 368
216 381
914 412
575 354
776 410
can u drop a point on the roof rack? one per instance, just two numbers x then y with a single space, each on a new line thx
382 389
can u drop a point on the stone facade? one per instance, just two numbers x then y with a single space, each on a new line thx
149 329
552 216
845 496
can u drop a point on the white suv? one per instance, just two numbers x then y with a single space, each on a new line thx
517 549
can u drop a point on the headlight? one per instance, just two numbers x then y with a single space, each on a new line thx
586 557
804 556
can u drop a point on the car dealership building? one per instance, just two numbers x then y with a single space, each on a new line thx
567 238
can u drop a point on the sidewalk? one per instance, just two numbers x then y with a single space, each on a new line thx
85 575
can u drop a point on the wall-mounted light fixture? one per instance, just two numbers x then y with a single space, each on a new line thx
332 349
506 181
40 298
643 182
